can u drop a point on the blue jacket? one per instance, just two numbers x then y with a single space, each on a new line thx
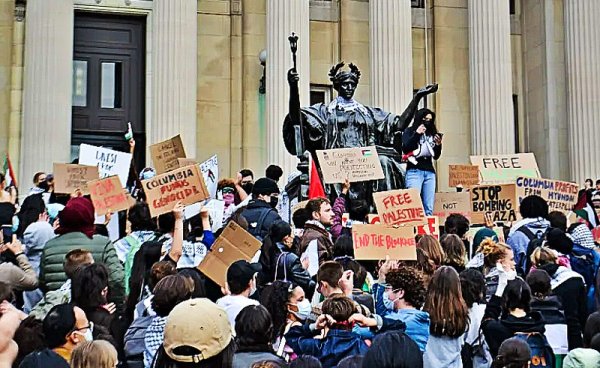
417 321
518 241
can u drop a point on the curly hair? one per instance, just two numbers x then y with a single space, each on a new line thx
410 280
275 297
225 183
492 252
447 309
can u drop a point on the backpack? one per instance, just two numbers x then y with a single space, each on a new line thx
134 345
535 240
256 231
476 354
584 261
541 352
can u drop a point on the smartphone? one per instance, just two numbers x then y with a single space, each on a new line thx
7 233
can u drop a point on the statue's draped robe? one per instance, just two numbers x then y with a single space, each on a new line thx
348 124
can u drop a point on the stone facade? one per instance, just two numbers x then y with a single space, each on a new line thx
231 113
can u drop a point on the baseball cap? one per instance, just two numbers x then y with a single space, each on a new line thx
264 186
242 271
200 324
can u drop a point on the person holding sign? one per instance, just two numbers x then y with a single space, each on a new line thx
421 144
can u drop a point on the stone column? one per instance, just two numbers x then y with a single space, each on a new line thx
492 121
582 34
174 72
46 129
283 18
390 51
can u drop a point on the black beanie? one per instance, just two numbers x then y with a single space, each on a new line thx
559 241
264 186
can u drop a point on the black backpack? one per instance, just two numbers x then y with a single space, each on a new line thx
535 240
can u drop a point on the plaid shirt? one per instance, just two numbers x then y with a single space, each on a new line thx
153 339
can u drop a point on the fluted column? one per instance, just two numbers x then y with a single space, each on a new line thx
174 72
492 121
582 43
46 129
390 51
283 18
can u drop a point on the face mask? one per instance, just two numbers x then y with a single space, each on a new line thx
88 335
228 199
148 174
43 185
248 188
304 310
273 202
387 302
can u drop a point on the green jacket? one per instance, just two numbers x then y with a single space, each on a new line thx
52 275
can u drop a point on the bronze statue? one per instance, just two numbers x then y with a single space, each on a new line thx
346 123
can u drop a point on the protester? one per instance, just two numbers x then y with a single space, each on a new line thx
490 254
333 280
475 352
339 209
246 182
592 328
534 210
454 250
254 337
513 353
286 264
159 271
260 212
198 242
168 293
94 354
393 350
558 220
449 318
241 284
21 277
315 237
400 294
351 362
10 318
570 288
65 327
582 358
421 144
226 190
77 231
7 203
306 361
274 172
197 331
430 257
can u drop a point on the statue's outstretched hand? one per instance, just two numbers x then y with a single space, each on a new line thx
424 91
293 77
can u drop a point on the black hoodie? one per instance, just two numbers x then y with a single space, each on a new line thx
496 329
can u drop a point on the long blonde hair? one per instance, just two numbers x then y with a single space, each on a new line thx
94 354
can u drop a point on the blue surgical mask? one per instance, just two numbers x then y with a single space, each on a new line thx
148 174
304 310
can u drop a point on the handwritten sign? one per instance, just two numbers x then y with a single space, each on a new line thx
400 207
234 244
498 200
166 153
210 171
108 196
505 169
432 227
354 164
68 177
449 203
376 242
109 162
183 185
560 195
465 175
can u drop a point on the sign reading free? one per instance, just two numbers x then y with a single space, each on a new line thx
505 169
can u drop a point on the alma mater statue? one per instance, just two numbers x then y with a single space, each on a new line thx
346 123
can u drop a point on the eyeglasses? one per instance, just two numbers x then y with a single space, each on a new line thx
90 327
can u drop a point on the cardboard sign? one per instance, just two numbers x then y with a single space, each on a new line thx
108 195
210 171
354 164
373 219
431 228
166 153
498 200
560 195
183 185
505 169
465 175
376 242
186 162
400 207
448 203
233 245
69 177
109 162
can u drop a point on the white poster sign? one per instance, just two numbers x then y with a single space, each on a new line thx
210 171
109 162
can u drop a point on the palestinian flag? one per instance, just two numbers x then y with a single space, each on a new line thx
9 173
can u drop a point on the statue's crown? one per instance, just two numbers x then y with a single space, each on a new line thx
337 74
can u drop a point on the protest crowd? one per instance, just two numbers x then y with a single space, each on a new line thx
173 267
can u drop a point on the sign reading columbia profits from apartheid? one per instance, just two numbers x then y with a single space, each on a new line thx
381 241
183 185
500 201
560 195
354 164
400 207
505 169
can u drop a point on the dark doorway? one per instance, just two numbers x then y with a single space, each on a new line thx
108 82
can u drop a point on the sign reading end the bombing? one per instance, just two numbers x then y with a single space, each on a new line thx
560 195
354 164
500 201
183 185
505 169
400 207
381 241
